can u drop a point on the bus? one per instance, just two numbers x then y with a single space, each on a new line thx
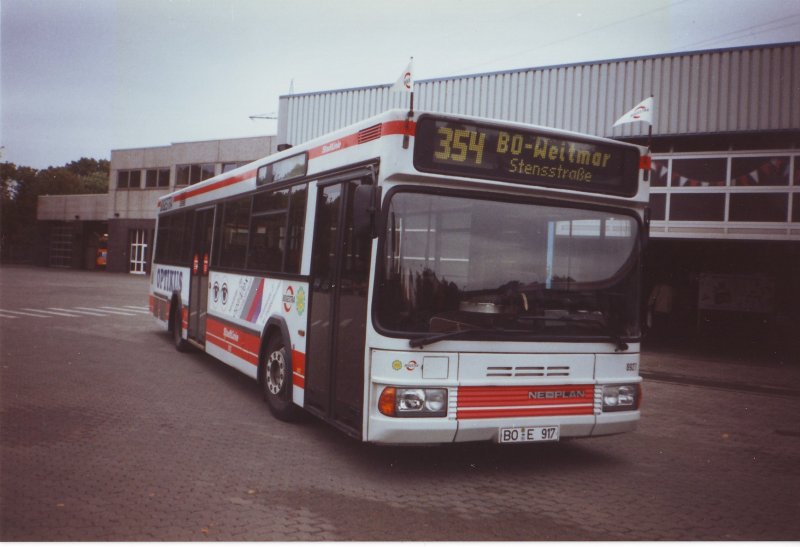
420 278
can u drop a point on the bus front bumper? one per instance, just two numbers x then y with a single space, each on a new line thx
387 430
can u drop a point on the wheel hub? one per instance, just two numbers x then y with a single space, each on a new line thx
275 372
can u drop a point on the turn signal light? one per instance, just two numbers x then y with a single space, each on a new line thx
386 404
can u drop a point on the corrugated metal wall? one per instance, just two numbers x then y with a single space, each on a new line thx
742 89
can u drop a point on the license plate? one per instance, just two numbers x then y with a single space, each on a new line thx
536 434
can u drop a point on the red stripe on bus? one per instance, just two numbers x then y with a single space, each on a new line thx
483 396
299 369
333 146
399 127
396 127
233 339
159 307
521 401
234 350
524 412
224 183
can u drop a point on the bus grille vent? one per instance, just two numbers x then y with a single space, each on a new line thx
369 134
527 372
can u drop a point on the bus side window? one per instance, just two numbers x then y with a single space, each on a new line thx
276 231
171 245
235 229
267 242
297 222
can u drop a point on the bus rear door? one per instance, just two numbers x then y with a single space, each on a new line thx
198 285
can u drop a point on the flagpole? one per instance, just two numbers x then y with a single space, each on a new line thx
649 145
408 120
410 108
650 130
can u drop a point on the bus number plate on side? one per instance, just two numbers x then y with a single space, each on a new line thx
528 434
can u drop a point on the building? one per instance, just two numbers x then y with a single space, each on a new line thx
725 230
77 226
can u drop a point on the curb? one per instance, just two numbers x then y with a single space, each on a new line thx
708 382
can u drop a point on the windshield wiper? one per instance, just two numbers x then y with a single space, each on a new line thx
431 338
421 341
615 336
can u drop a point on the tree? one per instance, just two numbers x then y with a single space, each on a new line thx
85 176
22 186
18 206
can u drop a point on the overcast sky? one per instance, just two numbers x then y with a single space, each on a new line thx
83 77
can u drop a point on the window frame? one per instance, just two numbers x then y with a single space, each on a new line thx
128 174
732 192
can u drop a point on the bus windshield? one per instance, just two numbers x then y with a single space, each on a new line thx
473 268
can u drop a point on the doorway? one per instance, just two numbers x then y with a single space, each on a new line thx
198 281
338 310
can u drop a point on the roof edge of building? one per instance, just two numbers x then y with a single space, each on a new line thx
552 67
199 141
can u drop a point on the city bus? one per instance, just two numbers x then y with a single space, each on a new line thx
420 278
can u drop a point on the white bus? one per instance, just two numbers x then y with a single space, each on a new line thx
420 278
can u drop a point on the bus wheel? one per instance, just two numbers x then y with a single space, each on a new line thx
177 336
277 381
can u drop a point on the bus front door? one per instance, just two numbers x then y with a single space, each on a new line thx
338 311
198 284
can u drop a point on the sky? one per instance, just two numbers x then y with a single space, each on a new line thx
79 78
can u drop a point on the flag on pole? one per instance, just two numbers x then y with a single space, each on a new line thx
642 112
405 83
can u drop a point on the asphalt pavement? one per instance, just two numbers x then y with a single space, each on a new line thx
107 433
736 366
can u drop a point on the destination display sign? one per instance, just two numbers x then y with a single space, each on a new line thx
524 156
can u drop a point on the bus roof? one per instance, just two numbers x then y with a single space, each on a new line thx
358 142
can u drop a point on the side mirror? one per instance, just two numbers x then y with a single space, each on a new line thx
366 204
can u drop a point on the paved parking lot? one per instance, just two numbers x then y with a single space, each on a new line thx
107 433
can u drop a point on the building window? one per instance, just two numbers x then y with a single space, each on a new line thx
658 206
138 251
193 173
797 170
697 207
659 169
128 178
751 207
230 166
157 178
699 172
760 171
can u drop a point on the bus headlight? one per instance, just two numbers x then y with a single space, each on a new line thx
413 402
623 397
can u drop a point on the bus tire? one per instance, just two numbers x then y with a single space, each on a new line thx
177 328
276 381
